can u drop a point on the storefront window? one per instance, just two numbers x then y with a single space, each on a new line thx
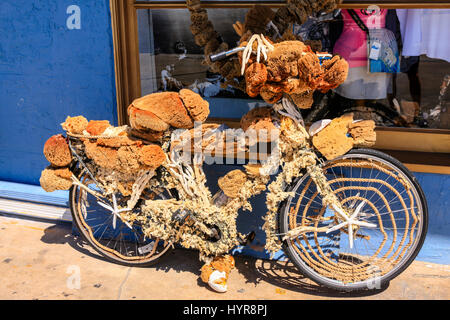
169 58
413 93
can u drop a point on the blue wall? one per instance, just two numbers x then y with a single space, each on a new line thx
48 72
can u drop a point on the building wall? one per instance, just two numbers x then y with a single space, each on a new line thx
48 71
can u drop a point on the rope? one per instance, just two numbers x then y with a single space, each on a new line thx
93 137
343 270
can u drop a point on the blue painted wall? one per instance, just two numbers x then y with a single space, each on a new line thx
48 72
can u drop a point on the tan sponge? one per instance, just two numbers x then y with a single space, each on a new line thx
232 183
363 133
55 179
75 125
332 141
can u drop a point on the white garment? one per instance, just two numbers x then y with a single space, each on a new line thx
425 31
360 84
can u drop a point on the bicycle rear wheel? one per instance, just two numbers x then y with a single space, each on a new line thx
393 210
115 240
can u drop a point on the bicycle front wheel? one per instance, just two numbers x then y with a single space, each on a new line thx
389 206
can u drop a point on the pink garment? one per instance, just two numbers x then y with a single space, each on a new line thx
352 44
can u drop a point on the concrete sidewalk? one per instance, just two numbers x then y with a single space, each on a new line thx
42 261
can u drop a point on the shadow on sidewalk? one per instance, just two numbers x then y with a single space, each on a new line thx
281 274
285 275
62 233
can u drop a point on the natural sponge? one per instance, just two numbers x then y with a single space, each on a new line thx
56 151
97 127
332 141
363 133
145 120
197 107
303 100
102 156
152 155
55 179
260 120
75 125
217 272
167 106
232 183
148 135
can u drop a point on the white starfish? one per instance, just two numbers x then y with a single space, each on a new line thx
115 211
350 221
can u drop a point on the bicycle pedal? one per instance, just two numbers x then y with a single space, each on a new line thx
247 239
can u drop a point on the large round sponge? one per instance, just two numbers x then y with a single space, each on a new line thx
56 151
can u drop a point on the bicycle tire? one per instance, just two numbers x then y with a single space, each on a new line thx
308 271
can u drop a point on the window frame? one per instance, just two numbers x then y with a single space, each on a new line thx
422 150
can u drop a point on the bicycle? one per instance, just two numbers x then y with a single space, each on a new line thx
354 222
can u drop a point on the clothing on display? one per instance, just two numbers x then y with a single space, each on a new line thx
352 46
425 31
363 85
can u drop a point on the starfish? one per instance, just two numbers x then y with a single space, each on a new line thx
115 211
350 221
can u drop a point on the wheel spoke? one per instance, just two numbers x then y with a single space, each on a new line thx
375 225
105 229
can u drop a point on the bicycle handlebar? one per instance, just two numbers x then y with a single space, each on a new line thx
225 54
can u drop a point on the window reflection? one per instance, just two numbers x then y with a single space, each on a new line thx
414 93
170 59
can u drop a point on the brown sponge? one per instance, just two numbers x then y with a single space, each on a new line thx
75 125
310 70
269 95
255 78
303 100
97 127
335 73
197 107
56 151
232 183
260 120
332 141
144 119
128 160
167 106
55 179
103 156
221 263
148 135
257 18
152 155
282 62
